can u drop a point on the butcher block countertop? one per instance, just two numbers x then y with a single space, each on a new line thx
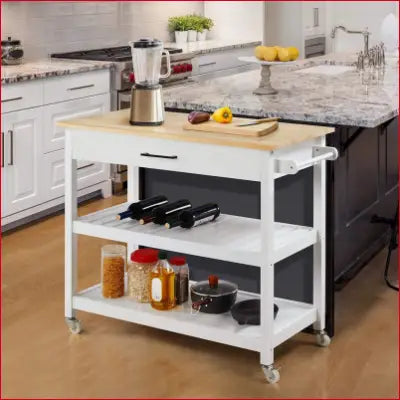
172 129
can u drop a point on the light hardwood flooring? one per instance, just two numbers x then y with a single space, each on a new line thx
112 358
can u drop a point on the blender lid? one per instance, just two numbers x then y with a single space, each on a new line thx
145 43
10 42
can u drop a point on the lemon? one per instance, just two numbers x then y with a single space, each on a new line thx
259 52
277 50
293 53
270 54
283 54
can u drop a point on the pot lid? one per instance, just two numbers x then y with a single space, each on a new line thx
214 287
10 42
145 43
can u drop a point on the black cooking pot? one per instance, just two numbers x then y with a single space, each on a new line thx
213 296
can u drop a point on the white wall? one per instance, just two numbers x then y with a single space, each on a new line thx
236 20
48 27
356 15
284 24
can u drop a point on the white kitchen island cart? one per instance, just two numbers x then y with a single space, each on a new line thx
259 242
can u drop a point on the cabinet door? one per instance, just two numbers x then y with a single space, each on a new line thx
89 173
53 137
22 187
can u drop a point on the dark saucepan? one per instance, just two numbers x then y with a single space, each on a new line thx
213 296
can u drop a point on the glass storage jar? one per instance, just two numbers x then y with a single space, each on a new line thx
113 260
139 274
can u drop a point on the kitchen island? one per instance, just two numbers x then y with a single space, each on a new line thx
361 183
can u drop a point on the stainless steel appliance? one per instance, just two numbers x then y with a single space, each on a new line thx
123 78
147 105
12 52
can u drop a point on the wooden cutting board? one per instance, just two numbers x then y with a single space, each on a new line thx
231 128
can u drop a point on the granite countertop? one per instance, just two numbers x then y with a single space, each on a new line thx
48 68
55 67
335 100
212 46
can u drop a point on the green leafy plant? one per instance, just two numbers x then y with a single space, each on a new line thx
190 22
178 23
207 23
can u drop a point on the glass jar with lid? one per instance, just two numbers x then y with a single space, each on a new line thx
139 274
113 260
181 268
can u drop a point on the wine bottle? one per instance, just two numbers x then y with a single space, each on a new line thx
196 216
143 207
161 214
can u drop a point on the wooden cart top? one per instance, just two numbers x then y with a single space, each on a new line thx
172 129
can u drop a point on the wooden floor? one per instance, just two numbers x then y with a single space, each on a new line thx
118 359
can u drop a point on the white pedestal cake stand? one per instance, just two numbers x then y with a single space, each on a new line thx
265 82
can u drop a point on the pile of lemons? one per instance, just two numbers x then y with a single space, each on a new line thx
276 53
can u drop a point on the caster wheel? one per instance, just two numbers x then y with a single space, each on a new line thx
74 325
272 375
323 339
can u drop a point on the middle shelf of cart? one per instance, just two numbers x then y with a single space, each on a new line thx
229 238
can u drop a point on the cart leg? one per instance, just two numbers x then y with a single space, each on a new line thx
267 271
70 236
319 254
133 195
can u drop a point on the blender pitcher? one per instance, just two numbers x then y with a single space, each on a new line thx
147 105
146 59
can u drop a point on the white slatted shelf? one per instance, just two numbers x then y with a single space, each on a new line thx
229 238
222 328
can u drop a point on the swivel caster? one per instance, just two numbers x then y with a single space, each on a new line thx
323 339
74 325
272 375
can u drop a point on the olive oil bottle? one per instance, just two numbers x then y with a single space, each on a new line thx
163 284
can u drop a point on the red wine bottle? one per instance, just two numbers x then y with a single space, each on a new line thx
143 207
196 216
161 214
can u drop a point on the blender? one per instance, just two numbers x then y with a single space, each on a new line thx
147 105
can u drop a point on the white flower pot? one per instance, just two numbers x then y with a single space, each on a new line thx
181 36
192 36
202 35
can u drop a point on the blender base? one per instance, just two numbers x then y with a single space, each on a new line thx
147 106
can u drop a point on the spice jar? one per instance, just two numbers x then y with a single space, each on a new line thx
113 259
139 274
179 265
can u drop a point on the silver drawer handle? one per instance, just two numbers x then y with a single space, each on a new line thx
13 99
81 87
208 64
11 147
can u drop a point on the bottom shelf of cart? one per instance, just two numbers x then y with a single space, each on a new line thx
222 328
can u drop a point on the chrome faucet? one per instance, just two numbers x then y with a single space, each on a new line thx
364 32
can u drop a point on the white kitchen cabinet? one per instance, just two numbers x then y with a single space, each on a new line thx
21 173
89 173
33 146
53 135
222 60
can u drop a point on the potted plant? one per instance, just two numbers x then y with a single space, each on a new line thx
207 24
192 22
179 25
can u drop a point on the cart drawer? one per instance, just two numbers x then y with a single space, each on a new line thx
147 152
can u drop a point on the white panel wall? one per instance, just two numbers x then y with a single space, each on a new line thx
236 20
47 27
356 15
